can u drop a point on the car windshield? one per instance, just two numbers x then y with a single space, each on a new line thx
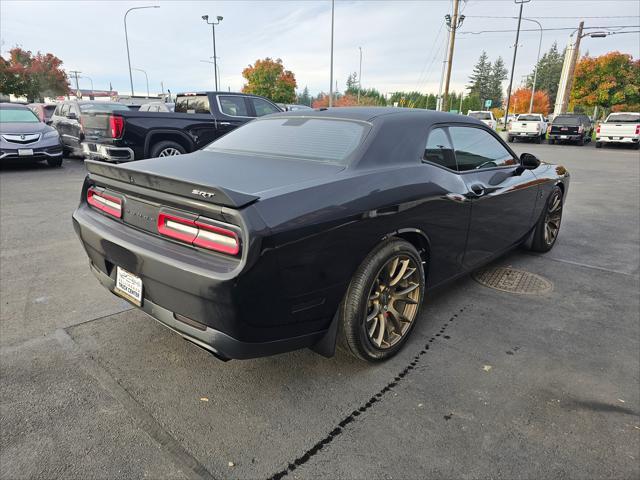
480 115
48 111
624 118
17 115
528 118
102 107
566 121
316 139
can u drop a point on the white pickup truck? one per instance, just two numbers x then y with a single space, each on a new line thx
485 116
621 127
531 126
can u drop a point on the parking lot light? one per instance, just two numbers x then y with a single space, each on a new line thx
126 37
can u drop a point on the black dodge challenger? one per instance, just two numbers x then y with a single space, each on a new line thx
305 227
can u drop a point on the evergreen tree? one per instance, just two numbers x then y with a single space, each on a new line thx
498 75
549 71
305 98
479 81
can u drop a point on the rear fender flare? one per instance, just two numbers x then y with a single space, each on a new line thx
167 134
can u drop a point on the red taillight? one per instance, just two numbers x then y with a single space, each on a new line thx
637 129
201 233
580 129
116 124
598 129
107 203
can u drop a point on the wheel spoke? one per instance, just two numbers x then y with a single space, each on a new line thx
381 330
372 329
400 274
397 319
410 271
393 267
374 313
407 290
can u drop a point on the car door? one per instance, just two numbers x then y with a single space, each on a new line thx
501 192
74 125
262 107
60 123
235 111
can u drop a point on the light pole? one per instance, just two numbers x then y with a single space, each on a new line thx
535 71
215 65
90 80
513 63
126 37
145 76
213 34
331 63
360 76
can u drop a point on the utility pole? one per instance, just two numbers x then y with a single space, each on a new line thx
513 63
75 74
452 43
444 66
572 69
360 76
331 67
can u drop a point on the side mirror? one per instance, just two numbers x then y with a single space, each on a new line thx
529 161
72 116
48 122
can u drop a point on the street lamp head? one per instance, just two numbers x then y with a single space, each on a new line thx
598 35
205 17
219 18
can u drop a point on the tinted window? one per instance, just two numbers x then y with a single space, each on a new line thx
438 149
476 149
263 107
624 118
17 115
566 121
480 115
528 118
322 140
193 104
234 106
102 107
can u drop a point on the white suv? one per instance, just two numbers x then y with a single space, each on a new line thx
485 117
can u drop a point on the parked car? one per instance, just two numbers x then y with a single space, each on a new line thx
287 107
485 116
570 127
72 118
157 107
199 119
24 137
527 126
301 226
620 127
43 111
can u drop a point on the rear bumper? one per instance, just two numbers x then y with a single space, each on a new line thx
97 151
628 140
202 297
565 136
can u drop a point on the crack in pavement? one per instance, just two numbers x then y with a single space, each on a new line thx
339 429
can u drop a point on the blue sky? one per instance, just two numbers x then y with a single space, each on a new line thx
402 41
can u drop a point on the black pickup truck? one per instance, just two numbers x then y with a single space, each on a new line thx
199 118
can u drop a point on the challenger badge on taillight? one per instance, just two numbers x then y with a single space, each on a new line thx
107 203
201 232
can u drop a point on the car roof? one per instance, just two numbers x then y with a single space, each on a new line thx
370 113
13 105
182 94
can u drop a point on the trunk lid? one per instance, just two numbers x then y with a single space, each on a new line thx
227 179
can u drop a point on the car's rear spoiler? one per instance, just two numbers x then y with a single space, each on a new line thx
214 195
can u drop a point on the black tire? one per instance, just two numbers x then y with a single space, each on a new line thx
353 309
551 141
636 146
598 144
580 142
167 148
54 162
540 242
538 139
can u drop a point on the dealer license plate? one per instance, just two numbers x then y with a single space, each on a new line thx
25 152
128 286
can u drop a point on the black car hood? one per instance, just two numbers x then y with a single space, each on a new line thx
236 179
24 127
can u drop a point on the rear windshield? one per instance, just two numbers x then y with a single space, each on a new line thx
480 115
316 139
48 111
566 121
192 104
17 115
624 118
102 107
528 118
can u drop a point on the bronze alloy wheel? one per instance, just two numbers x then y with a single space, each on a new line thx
393 302
553 218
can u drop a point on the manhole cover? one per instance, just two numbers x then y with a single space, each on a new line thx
511 280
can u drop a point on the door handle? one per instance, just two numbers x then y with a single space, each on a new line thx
224 123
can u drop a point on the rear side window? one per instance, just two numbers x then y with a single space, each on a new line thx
476 149
65 110
300 138
566 121
438 149
480 115
262 107
233 105
193 104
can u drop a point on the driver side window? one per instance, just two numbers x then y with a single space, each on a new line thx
477 149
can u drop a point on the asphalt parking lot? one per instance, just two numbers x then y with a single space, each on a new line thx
491 384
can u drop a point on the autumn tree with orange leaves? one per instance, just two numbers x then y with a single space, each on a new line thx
268 78
521 98
610 81
34 76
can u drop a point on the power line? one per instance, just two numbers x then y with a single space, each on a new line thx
548 29
553 18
